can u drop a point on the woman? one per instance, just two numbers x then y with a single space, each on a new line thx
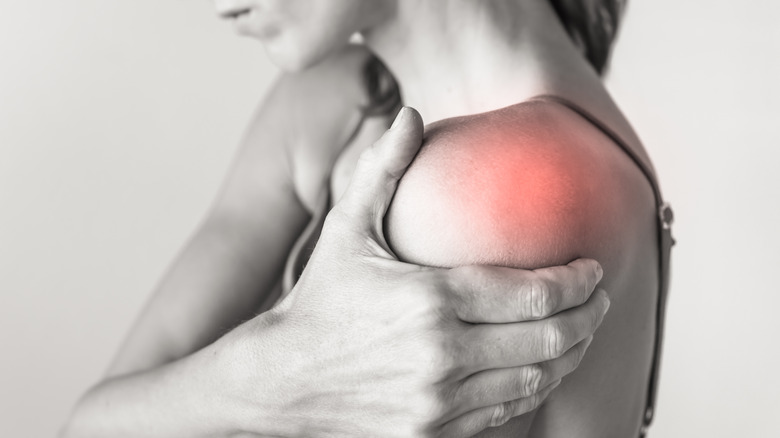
494 55
598 197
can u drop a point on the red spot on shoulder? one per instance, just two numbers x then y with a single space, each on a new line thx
489 190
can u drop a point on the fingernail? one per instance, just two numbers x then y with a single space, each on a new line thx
401 115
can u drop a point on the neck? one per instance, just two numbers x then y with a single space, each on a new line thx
457 57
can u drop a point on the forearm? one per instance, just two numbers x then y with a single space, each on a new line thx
213 285
234 387
181 398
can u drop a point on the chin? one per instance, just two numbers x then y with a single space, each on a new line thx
293 61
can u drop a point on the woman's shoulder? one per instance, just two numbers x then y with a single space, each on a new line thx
531 185
536 185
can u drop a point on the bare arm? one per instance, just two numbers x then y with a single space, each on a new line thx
531 187
154 387
233 261
280 375
225 271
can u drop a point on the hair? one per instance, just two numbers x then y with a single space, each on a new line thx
384 94
591 24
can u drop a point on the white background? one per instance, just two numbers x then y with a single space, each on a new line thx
118 119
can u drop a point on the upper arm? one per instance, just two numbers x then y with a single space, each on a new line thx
536 188
217 278
236 256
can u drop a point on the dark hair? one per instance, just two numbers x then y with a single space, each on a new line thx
384 94
592 25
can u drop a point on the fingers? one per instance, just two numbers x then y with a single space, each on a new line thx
486 294
524 343
492 387
379 169
473 422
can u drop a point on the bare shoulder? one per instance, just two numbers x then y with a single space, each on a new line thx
536 185
527 186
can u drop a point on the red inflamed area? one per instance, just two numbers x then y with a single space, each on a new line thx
526 186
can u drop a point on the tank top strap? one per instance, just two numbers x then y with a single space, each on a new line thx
635 151
664 220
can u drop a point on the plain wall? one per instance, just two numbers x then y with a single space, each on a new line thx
118 120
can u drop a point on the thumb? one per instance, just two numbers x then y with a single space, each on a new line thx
379 168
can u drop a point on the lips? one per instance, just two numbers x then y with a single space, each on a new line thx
249 18
233 9
233 14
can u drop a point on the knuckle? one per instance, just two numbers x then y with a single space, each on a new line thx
454 357
367 163
429 290
417 285
501 413
580 285
554 339
433 403
440 283
531 380
595 313
536 401
463 282
371 153
450 294
539 301
428 363
469 274
439 356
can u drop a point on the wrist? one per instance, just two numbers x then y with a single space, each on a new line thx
252 366
206 396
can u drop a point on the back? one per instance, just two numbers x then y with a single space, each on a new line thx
535 185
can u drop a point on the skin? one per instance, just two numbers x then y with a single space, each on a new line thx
416 335
410 348
597 204
564 191
526 185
